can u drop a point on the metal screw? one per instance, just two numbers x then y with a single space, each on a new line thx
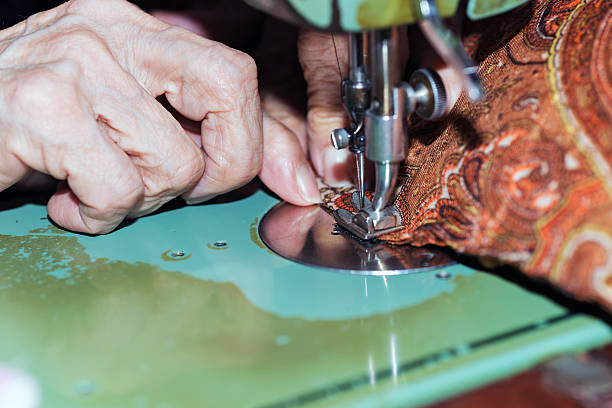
177 254
335 232
220 244
340 138
443 275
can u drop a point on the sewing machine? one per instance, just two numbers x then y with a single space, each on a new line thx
380 102
162 314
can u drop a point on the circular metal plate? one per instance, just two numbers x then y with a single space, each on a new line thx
307 235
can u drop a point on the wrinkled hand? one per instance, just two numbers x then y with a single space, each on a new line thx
78 88
300 92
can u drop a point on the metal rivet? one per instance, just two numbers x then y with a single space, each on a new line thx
177 254
220 244
443 275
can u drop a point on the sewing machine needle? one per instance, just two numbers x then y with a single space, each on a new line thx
360 175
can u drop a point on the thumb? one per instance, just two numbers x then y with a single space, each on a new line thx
317 56
285 169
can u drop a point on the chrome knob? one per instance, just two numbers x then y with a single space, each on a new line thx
428 94
340 138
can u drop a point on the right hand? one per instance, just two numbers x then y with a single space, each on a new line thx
78 88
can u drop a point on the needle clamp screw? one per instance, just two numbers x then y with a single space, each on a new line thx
340 138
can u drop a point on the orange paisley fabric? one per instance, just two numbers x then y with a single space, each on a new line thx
524 177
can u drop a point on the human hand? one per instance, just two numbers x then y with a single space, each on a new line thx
78 90
292 138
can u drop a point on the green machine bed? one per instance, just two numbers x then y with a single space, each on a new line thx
187 308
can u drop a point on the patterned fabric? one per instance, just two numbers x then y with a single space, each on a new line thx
524 177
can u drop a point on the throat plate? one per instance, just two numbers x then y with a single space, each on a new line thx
307 235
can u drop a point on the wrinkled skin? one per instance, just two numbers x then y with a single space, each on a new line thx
78 88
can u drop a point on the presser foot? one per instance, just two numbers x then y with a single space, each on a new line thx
368 223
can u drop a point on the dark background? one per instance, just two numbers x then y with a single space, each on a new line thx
14 11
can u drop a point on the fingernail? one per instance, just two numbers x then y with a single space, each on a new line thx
307 184
336 168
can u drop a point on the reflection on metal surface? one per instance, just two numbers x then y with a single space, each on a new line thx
307 235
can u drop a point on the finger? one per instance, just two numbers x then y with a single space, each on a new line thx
103 180
168 160
325 111
286 170
97 198
207 81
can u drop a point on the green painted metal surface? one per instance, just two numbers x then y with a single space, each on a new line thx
316 12
359 15
479 9
123 321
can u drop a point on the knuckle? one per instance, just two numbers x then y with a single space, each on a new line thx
81 45
85 6
46 92
245 64
239 73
